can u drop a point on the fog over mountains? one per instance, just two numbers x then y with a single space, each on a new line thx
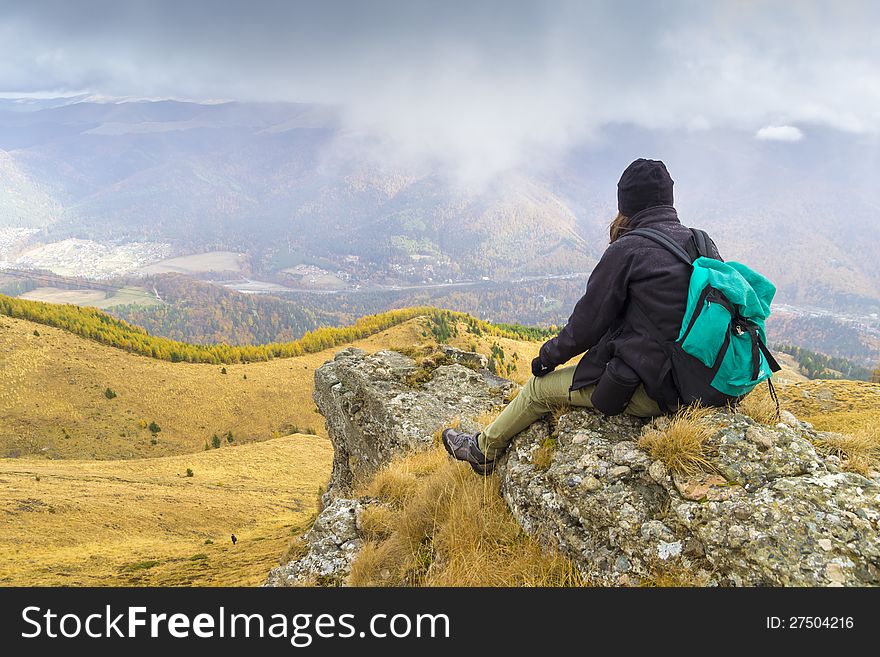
264 177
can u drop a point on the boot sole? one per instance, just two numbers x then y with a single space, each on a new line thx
482 470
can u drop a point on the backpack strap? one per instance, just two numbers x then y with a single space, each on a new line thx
702 245
773 396
701 241
663 240
771 361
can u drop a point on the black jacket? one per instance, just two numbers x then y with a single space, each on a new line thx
620 350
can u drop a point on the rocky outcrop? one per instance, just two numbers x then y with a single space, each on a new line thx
768 510
374 412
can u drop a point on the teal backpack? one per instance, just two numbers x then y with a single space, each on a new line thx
720 354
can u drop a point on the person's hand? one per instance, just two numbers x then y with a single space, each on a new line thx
539 368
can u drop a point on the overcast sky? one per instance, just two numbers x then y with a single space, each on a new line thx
483 84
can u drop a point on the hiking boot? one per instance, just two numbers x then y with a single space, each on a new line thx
464 447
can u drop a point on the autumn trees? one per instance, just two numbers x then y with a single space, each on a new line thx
98 326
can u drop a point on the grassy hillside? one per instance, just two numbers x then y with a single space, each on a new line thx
80 521
99 326
147 523
54 394
54 388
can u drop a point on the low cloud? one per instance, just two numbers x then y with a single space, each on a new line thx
779 133
476 87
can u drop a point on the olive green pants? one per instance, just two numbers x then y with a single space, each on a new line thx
539 396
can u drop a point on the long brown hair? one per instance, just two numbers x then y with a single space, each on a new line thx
618 227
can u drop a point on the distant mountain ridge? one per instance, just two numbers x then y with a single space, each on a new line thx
265 178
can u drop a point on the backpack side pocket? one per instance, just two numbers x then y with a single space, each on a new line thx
708 329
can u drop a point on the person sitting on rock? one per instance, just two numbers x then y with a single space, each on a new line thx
625 368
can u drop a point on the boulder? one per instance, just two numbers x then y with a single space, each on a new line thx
374 413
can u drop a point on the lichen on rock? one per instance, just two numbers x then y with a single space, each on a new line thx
333 542
771 512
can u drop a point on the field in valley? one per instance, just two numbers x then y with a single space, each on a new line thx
94 298
197 263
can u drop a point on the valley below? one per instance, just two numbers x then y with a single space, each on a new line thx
338 296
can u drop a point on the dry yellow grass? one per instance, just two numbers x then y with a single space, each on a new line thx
833 405
444 526
759 405
849 408
52 394
543 456
394 484
679 441
859 449
487 418
377 522
145 522
142 521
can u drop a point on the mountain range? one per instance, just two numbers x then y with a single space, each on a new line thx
281 180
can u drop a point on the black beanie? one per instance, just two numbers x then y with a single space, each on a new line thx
644 184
